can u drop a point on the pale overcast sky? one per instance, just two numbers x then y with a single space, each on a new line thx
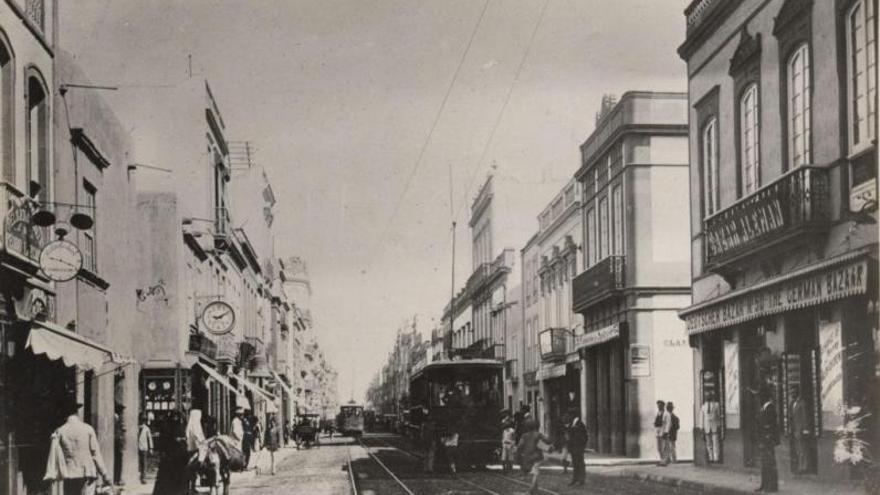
338 97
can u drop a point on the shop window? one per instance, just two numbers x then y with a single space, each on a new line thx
749 133
37 135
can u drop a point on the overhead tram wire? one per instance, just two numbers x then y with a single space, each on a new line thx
424 148
519 69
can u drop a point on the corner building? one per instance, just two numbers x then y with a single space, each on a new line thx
782 111
636 276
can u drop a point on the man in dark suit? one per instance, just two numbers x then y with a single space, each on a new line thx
768 439
577 443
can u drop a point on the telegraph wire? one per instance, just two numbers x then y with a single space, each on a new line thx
424 148
519 69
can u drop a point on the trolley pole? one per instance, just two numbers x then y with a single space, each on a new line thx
452 294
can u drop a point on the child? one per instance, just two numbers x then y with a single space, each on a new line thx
508 435
531 447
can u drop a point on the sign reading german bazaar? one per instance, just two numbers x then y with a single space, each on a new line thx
814 288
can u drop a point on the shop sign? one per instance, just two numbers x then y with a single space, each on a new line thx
832 366
862 194
552 371
227 347
739 230
597 337
640 360
731 377
836 283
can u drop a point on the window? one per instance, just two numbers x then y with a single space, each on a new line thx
37 136
710 166
617 213
7 91
749 140
799 96
603 227
591 237
88 245
861 48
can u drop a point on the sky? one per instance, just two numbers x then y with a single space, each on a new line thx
339 98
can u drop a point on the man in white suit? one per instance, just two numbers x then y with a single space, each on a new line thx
710 414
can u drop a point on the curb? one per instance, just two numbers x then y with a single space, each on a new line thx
681 483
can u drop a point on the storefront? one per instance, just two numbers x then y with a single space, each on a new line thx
603 358
811 335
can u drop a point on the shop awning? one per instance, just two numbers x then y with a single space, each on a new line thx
71 348
284 384
218 378
256 389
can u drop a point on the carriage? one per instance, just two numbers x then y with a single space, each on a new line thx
462 397
305 432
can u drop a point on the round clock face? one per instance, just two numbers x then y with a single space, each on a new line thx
218 317
60 260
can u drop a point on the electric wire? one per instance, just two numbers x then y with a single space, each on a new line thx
519 69
437 116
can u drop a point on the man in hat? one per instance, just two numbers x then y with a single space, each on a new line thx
237 432
118 441
80 461
577 444
768 439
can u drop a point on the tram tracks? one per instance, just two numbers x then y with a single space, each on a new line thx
416 483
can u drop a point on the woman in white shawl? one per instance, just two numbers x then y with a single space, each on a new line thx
195 441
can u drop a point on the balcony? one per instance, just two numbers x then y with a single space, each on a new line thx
22 239
478 277
785 212
598 282
554 344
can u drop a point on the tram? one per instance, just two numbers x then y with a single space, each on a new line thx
459 397
350 421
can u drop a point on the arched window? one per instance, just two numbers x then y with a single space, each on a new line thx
799 96
750 161
37 135
709 145
861 51
7 112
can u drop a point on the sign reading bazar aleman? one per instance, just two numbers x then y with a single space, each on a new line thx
791 293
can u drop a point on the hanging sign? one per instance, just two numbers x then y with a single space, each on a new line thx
640 360
596 337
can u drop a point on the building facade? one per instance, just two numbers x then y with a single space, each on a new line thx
783 136
635 273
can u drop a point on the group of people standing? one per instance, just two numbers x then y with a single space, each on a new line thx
666 426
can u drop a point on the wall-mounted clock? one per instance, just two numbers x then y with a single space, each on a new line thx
218 317
61 260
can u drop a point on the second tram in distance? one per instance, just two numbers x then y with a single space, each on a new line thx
350 421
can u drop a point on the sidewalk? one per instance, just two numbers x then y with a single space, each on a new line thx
686 475
261 464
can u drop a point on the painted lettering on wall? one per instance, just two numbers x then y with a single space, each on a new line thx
832 366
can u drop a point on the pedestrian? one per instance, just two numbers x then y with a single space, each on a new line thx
768 439
530 449
577 444
118 441
273 441
800 430
75 459
658 429
508 444
237 430
670 434
710 413
145 447
560 440
195 441
171 477
247 442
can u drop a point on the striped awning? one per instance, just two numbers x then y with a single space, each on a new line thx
219 378
71 348
256 389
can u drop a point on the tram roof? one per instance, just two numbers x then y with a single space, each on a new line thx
459 363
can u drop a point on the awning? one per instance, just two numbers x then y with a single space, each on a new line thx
253 387
596 337
71 348
284 384
552 371
218 378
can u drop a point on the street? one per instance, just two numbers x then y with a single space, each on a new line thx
323 470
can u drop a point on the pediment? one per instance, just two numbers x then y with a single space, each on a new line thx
791 11
748 49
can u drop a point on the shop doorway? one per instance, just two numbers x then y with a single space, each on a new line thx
801 390
751 347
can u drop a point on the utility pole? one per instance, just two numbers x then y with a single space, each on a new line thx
452 293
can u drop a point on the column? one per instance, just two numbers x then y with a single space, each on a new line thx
583 388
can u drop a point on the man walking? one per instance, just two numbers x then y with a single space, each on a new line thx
710 414
658 428
670 434
768 439
145 447
577 443
75 457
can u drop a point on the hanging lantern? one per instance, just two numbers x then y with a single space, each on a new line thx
62 229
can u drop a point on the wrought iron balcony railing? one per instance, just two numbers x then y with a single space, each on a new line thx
598 282
21 238
796 203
